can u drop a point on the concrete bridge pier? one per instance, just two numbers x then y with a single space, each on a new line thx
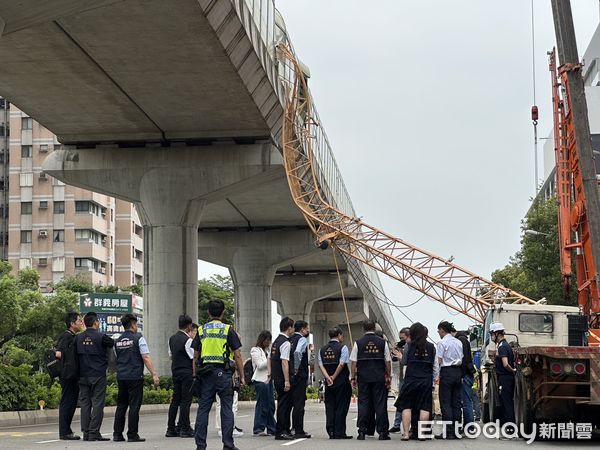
170 186
253 258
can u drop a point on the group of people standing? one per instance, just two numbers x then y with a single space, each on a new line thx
206 361
82 351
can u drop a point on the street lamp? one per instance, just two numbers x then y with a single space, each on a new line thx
534 233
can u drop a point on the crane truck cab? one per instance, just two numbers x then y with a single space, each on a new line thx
558 377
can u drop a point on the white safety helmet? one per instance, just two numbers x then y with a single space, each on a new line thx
496 326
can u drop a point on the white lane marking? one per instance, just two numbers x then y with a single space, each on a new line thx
247 415
47 442
295 441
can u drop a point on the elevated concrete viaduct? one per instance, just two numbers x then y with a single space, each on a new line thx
177 107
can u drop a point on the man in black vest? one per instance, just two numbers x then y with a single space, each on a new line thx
299 376
182 354
333 361
279 366
93 363
66 351
132 354
372 361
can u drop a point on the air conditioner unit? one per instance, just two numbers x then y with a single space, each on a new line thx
43 233
103 213
104 239
103 270
42 261
43 204
43 148
43 175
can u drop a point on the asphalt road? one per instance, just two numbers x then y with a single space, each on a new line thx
152 427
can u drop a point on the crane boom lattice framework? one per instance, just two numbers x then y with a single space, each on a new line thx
436 277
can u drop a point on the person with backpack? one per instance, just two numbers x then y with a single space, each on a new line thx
264 413
66 353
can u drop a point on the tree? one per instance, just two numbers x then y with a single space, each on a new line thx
216 287
534 271
30 322
78 283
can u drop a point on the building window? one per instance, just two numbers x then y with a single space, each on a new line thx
24 263
58 264
82 235
26 179
87 207
43 204
59 236
26 123
43 148
59 207
26 237
26 151
26 208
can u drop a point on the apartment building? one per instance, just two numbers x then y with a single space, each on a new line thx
62 230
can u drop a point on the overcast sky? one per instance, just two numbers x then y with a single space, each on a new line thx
427 107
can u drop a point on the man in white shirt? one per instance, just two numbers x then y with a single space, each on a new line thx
450 353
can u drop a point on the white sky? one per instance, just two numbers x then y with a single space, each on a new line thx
427 107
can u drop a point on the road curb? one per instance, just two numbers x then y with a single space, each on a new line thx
11 419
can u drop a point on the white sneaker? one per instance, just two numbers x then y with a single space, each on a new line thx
237 433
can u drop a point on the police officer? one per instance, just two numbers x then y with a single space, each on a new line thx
182 354
504 365
132 354
92 346
66 352
333 361
299 377
279 364
371 360
213 347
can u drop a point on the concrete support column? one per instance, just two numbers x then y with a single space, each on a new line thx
170 212
170 187
253 258
252 280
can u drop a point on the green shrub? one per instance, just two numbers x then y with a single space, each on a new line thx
111 394
17 389
157 396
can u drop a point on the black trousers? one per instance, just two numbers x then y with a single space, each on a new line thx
337 403
372 397
284 408
298 403
181 401
131 393
451 396
506 385
68 404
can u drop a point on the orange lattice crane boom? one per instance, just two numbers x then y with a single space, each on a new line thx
436 277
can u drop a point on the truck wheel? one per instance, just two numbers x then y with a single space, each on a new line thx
523 412
492 393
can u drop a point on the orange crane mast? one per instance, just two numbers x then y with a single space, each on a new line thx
573 220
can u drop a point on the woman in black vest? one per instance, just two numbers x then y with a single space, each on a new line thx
416 392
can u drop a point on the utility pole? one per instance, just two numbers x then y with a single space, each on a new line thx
569 59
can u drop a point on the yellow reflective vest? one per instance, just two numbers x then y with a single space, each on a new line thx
213 336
